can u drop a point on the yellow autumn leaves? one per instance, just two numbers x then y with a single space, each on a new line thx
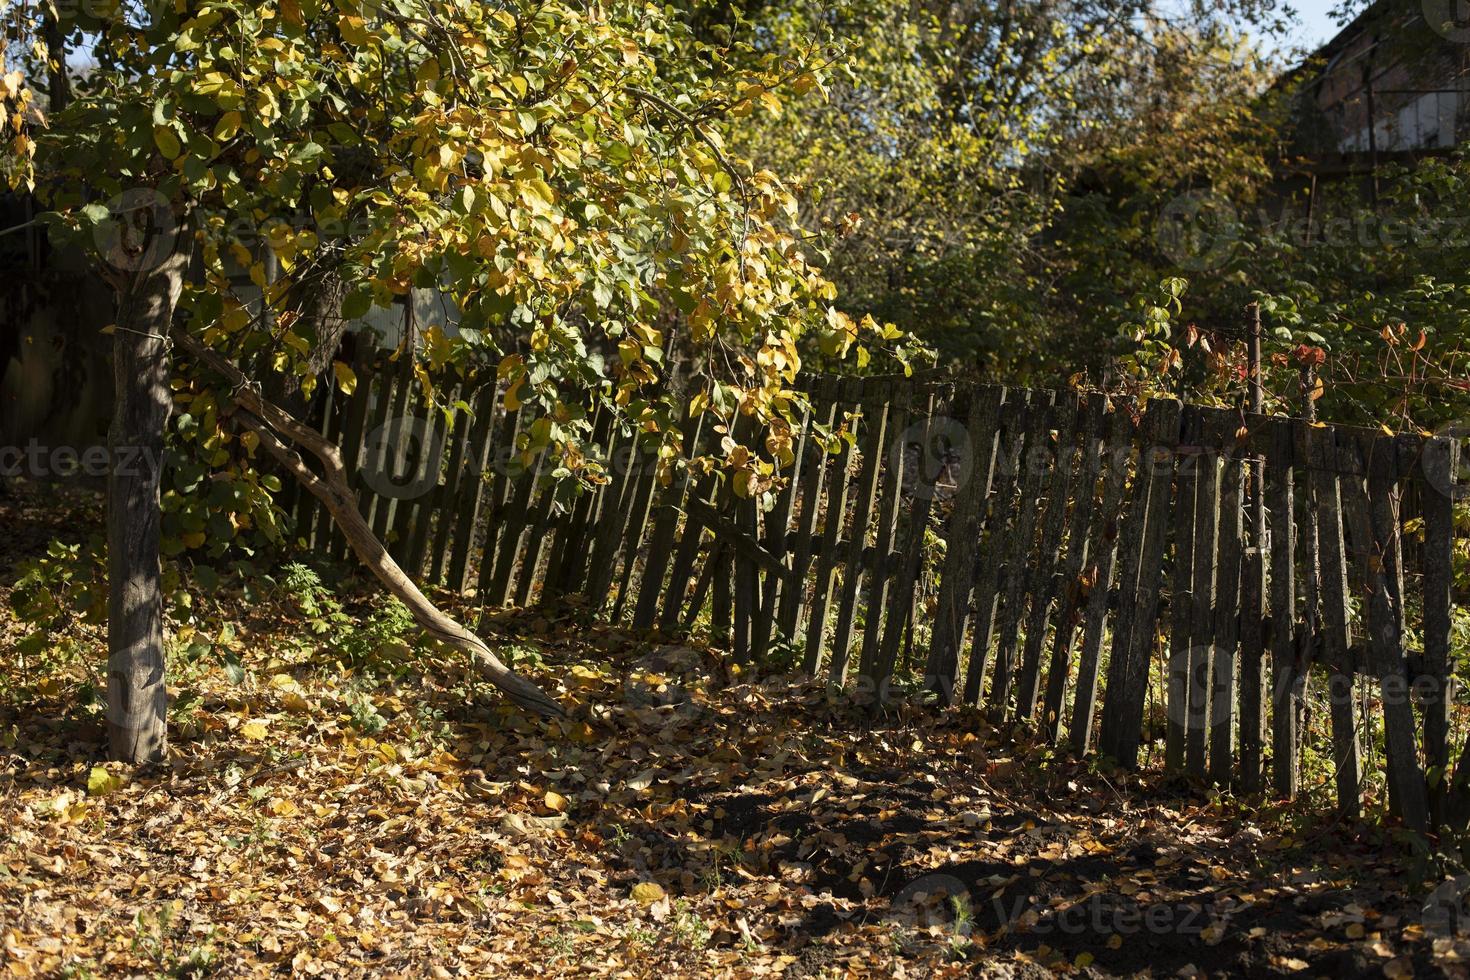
16 166
562 177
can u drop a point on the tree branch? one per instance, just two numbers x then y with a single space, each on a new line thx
692 123
275 427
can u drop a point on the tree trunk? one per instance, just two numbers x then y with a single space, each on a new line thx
136 700
274 425
58 87
323 310
319 300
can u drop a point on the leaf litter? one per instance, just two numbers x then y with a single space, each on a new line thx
687 819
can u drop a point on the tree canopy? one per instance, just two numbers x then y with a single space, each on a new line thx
556 171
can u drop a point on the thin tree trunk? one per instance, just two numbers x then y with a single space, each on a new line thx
136 700
324 316
275 427
319 300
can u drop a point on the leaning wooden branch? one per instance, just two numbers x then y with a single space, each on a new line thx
276 428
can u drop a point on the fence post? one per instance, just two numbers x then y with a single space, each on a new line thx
1438 495
1253 584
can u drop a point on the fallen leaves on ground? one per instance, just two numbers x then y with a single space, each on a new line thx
687 819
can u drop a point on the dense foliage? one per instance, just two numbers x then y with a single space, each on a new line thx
555 171
1018 186
987 177
595 189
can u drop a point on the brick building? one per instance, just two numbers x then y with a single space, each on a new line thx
1393 84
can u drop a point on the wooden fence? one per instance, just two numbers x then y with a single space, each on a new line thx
1034 552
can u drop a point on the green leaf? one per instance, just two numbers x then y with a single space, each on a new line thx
233 668
206 577
307 152
356 305
537 192
227 127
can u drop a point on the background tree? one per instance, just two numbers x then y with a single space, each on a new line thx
957 143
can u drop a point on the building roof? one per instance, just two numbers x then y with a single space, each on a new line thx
1381 13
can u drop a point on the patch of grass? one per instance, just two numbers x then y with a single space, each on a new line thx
688 927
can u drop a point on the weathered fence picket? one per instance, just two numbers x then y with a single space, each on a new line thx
1009 461
1099 582
856 558
956 583
1254 684
1133 637
1228 613
1440 464
1288 674
1181 613
1044 573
